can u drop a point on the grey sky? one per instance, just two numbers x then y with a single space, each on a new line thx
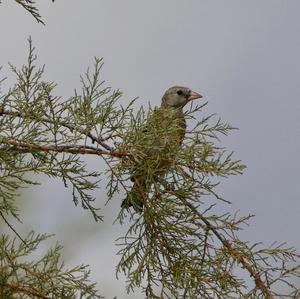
242 56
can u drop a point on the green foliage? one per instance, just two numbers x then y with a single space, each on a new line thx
45 277
177 246
37 135
168 244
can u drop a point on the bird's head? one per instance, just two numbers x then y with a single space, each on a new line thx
178 97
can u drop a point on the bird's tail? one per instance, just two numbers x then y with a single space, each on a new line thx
135 196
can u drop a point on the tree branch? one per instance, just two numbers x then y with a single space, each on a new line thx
72 149
25 290
234 253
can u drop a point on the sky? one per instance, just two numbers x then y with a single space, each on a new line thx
242 56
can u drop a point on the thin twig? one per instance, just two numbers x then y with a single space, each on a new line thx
29 6
12 228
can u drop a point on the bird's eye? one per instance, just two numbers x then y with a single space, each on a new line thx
179 92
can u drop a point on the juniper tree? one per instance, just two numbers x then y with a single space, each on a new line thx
177 246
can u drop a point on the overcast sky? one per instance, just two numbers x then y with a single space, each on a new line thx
242 56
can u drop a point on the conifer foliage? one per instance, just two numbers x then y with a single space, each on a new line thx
177 246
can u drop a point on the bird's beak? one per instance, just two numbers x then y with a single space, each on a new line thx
194 95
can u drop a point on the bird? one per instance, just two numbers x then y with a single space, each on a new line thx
156 143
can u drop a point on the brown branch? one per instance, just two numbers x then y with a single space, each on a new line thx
247 265
234 253
26 290
72 149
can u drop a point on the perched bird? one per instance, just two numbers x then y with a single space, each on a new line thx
156 144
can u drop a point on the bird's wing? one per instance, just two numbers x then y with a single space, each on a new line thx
158 140
163 133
